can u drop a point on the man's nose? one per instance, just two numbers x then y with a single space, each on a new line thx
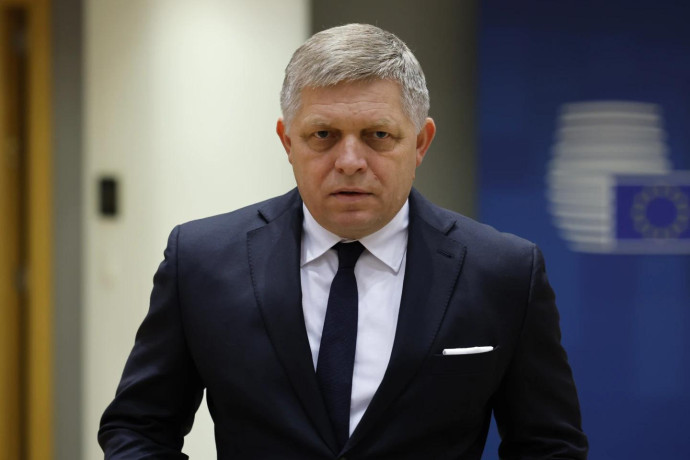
351 156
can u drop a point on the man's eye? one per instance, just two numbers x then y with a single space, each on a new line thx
323 134
381 134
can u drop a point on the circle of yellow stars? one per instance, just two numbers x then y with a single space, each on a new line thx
641 202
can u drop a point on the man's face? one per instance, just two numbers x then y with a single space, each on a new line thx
354 153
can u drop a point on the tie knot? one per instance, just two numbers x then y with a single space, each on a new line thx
348 253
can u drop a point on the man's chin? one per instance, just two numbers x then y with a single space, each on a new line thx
355 225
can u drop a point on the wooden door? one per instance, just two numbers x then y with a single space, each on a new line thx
12 230
25 232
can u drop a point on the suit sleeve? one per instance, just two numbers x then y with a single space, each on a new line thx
537 410
160 389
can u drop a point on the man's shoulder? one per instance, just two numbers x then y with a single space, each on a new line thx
479 239
243 219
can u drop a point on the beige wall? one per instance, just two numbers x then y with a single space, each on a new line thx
180 105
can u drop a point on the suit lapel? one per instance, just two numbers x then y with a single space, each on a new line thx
432 269
274 254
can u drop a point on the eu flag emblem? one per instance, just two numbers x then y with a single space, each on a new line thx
653 212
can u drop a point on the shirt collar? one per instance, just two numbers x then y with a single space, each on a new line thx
387 244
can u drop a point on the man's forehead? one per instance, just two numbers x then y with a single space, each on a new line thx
346 91
376 103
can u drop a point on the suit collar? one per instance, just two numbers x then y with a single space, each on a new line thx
434 262
274 253
271 209
388 244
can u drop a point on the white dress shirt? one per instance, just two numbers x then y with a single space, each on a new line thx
379 271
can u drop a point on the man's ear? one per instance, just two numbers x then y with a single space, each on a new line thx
424 138
281 130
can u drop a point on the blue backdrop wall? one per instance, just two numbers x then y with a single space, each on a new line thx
625 318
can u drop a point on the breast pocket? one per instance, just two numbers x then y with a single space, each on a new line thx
457 388
479 363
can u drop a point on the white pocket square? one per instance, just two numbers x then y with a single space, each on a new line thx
467 351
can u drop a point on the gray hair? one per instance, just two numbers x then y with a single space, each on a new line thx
355 52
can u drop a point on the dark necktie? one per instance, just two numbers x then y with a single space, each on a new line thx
338 341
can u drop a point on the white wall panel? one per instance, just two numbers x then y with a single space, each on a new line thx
180 105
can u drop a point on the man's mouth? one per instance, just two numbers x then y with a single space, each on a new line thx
348 191
350 194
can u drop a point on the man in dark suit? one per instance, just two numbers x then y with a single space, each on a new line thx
349 318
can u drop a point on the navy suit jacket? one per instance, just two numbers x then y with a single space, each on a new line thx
226 316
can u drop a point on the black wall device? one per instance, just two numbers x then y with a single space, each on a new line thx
108 196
